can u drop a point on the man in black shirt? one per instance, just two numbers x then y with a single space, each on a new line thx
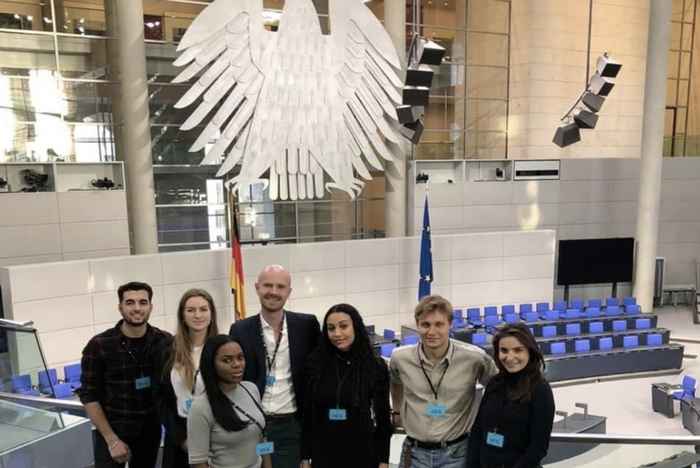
120 373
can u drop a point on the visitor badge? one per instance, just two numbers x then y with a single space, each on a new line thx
494 439
188 405
265 448
436 410
337 414
270 381
143 382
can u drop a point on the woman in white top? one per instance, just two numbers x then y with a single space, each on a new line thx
196 321
226 426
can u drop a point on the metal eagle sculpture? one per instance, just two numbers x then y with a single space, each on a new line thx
316 111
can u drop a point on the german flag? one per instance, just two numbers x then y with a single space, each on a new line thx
237 286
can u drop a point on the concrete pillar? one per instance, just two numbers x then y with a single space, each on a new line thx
658 43
131 118
395 195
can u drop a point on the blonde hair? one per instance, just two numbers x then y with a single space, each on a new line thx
181 356
433 303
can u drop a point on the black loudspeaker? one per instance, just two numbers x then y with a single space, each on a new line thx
567 135
608 66
601 85
422 75
416 95
413 131
430 53
585 119
593 101
409 114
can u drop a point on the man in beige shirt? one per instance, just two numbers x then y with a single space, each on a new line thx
433 389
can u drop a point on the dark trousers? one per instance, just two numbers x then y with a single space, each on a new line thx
144 448
174 456
285 433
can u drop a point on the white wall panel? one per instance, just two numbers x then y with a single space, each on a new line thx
92 205
99 235
28 208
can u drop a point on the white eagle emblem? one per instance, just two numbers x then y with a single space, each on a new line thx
314 110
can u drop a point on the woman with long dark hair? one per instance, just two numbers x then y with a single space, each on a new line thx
196 321
346 420
226 425
515 418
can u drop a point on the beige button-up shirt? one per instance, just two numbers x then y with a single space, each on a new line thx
464 365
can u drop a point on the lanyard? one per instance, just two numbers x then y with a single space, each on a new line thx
133 356
245 413
194 385
340 380
271 361
433 388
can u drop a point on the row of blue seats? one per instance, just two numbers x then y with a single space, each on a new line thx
508 315
48 382
482 338
605 343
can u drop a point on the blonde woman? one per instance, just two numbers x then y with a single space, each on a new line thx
196 321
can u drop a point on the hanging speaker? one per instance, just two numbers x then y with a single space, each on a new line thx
601 85
567 135
430 53
608 66
585 119
413 131
422 75
416 95
409 114
593 101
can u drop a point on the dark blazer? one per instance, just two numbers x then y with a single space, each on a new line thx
303 331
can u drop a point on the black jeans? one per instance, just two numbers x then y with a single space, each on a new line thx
144 448
285 432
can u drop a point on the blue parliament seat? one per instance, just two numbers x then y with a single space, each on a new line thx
654 339
619 325
479 339
490 311
510 318
582 346
22 384
592 312
47 379
531 317
387 349
613 310
524 309
560 306
571 314
71 375
628 301
507 309
633 309
573 329
557 348
474 316
551 315
492 321
642 324
541 306
389 334
595 327
409 340
612 302
576 304
631 341
605 343
595 303
549 331
687 391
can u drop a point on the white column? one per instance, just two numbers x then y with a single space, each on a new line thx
133 116
395 194
658 44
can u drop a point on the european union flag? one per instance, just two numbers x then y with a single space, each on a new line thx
426 256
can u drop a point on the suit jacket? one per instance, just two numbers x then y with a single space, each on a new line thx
303 333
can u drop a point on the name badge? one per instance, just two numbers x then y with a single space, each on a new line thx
436 410
270 380
188 405
142 382
337 414
264 448
494 439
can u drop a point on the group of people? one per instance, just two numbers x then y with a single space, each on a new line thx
282 391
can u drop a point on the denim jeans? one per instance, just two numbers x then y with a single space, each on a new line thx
452 456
